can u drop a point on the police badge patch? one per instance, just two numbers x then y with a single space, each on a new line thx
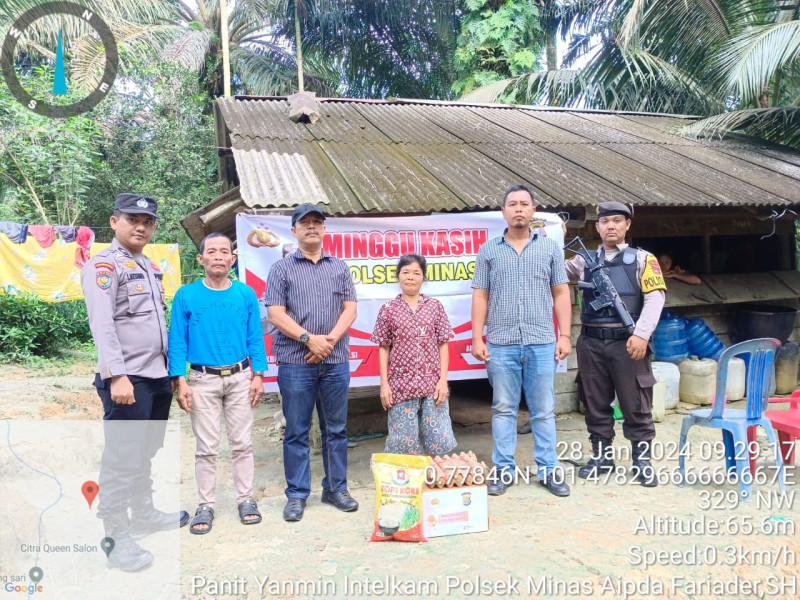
103 279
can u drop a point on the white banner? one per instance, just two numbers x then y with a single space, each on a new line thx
371 247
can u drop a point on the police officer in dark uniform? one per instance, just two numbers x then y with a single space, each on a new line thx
125 303
610 359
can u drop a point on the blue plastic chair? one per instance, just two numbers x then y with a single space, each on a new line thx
735 422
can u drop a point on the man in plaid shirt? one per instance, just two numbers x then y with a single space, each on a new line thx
519 279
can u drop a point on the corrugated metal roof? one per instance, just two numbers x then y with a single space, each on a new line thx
758 157
725 188
266 180
649 186
404 125
387 180
648 131
419 157
532 129
468 173
343 123
559 181
469 127
769 181
261 119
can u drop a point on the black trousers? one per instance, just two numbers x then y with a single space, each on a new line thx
604 366
133 434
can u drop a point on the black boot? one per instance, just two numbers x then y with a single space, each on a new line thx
602 458
645 474
147 519
126 554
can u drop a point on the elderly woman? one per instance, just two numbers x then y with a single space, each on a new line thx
412 331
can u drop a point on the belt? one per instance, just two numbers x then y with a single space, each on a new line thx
606 333
229 370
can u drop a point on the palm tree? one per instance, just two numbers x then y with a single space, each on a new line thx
398 48
261 61
185 31
701 57
124 17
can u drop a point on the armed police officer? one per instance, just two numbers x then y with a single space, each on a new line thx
125 303
610 358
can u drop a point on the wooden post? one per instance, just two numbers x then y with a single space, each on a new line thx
298 42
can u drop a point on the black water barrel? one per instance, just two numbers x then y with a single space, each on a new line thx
764 321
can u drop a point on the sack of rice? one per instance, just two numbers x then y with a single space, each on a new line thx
398 497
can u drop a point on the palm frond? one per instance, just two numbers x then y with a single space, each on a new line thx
631 25
780 125
750 59
489 94
190 49
113 12
86 67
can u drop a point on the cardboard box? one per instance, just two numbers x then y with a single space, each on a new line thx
450 511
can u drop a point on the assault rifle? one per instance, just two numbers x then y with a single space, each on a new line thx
605 295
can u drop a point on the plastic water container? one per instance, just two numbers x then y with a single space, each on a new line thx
786 368
669 340
735 382
672 377
698 380
703 343
659 396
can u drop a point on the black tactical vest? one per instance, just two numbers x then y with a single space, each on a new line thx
622 273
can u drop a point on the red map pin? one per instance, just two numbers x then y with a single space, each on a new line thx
89 490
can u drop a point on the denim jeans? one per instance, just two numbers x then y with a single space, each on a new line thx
303 387
511 370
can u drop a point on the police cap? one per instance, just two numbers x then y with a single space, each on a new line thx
607 209
136 204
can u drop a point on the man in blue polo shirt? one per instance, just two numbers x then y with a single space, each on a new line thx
216 326
311 300
519 279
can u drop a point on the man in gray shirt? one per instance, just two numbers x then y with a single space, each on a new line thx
125 304
311 300
519 279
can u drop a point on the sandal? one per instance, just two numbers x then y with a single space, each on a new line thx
203 516
249 508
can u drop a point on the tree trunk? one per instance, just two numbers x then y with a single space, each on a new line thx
776 88
226 58
763 98
299 45
552 55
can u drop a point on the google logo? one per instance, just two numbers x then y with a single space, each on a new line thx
25 589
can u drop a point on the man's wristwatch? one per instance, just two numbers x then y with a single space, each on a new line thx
258 373
304 338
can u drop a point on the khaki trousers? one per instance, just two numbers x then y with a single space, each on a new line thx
213 395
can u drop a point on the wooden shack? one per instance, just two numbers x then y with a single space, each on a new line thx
724 209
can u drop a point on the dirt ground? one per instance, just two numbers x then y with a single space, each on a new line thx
702 541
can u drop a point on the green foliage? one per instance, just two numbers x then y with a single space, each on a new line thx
499 39
46 165
157 142
151 135
30 327
372 49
